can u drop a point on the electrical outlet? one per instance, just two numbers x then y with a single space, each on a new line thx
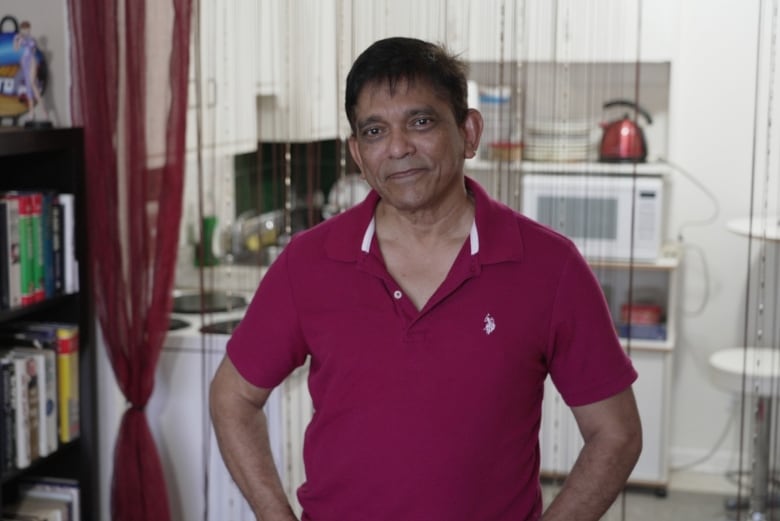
671 249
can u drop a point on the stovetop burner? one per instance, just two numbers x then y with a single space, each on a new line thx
208 302
224 327
177 323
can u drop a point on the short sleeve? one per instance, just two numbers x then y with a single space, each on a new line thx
268 344
587 363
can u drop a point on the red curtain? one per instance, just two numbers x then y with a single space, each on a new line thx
129 75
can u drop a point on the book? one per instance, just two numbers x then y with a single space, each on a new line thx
57 239
71 268
65 489
21 385
46 362
7 387
30 381
47 243
36 245
40 509
68 382
4 259
27 262
12 252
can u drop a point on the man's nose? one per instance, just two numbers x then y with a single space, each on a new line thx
401 143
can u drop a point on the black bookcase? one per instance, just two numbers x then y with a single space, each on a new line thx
53 159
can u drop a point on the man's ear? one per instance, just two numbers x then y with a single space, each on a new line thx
472 133
354 150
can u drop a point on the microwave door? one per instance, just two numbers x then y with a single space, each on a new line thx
597 212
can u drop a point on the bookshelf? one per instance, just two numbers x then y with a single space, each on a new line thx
53 159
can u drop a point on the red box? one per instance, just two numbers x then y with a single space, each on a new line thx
640 314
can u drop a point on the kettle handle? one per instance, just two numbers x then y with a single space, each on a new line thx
629 103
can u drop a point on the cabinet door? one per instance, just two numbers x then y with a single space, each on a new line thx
305 105
652 397
234 75
202 88
569 30
179 421
223 65
269 38
560 440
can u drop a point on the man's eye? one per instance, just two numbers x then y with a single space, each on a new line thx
371 131
422 122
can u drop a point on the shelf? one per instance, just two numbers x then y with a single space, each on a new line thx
666 263
765 228
53 160
579 168
648 345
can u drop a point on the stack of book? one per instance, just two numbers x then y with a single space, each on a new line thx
39 381
37 247
45 498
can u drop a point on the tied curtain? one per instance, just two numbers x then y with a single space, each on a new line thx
129 75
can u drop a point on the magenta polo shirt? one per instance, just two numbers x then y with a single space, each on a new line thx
430 415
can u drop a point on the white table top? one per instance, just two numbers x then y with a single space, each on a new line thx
759 365
762 227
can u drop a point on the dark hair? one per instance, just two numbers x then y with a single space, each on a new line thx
396 59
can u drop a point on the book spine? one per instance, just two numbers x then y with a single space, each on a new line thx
68 376
57 240
22 413
52 438
26 248
14 252
44 378
33 405
71 272
36 244
9 411
5 259
47 243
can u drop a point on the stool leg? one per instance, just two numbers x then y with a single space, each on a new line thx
760 491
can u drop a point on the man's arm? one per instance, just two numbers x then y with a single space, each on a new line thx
242 434
613 440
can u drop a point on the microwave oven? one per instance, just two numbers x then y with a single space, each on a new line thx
597 212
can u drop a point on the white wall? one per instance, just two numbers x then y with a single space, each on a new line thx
711 136
49 22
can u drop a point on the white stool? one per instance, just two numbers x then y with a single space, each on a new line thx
754 371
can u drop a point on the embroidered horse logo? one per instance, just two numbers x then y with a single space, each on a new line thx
490 324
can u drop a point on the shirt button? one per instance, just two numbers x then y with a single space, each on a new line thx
397 294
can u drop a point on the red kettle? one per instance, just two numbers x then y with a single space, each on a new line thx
623 140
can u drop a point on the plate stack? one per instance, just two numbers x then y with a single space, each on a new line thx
560 141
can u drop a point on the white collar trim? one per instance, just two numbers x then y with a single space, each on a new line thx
371 229
368 235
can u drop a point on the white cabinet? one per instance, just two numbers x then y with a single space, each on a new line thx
560 440
572 30
300 71
195 474
223 65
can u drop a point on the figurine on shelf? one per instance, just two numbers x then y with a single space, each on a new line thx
26 43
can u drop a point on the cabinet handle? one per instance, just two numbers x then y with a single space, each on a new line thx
211 93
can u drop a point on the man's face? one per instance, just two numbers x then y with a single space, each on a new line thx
409 147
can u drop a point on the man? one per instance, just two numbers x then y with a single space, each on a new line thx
431 316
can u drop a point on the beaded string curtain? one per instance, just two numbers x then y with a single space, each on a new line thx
760 234
541 72
532 62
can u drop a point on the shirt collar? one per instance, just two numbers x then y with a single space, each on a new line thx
495 233
368 236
